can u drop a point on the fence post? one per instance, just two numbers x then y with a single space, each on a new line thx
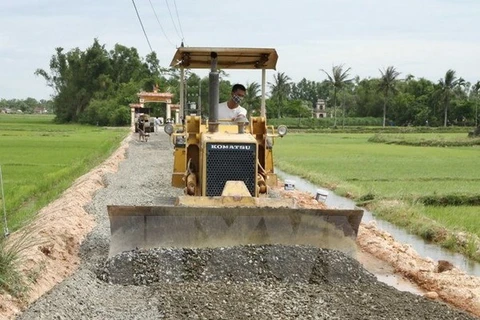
5 226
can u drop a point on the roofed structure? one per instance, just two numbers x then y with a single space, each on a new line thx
227 58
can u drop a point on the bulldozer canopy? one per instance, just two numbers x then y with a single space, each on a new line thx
227 58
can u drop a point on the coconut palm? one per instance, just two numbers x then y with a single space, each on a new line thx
338 79
251 102
386 85
446 91
280 90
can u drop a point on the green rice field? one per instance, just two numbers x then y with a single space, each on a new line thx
40 159
387 170
399 168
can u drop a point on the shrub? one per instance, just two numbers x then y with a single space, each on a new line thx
105 113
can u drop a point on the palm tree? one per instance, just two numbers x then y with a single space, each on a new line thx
387 86
338 79
446 91
409 77
280 90
251 102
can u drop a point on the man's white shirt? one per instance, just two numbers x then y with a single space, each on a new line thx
225 113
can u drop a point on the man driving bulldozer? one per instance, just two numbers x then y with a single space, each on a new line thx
231 109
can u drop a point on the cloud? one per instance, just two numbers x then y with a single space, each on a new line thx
429 59
424 38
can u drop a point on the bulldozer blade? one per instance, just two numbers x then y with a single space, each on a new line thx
143 227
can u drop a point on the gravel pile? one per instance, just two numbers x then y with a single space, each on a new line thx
244 282
268 264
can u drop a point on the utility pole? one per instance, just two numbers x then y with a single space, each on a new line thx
476 113
200 98
185 100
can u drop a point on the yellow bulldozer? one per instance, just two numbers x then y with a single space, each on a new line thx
227 172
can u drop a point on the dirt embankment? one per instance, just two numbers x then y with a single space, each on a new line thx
66 224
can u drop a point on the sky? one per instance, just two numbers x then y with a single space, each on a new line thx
424 38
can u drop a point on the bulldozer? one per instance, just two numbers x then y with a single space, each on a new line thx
226 170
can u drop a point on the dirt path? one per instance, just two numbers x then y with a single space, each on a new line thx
68 222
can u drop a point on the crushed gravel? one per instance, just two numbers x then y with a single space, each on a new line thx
265 263
242 282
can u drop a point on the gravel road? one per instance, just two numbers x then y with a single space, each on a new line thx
244 282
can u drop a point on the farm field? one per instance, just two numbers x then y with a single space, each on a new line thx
402 176
40 159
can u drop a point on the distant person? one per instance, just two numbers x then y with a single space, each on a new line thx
142 135
157 124
231 109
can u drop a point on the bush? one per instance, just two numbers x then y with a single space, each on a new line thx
474 133
314 123
436 142
451 200
105 113
120 117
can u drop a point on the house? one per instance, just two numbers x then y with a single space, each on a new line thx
40 110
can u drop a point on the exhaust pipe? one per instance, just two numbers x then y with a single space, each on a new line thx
213 94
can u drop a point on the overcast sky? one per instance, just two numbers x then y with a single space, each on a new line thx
424 38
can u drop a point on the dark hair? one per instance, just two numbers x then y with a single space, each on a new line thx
238 87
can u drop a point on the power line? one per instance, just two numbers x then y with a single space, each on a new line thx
171 17
163 31
144 32
178 18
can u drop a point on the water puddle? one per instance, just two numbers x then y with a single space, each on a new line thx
423 248
386 274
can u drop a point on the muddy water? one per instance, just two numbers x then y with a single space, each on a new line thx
386 274
423 248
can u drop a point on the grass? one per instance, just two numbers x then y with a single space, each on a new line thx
11 257
456 217
387 170
440 173
10 280
40 160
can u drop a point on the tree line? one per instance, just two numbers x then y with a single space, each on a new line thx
29 105
97 85
407 101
